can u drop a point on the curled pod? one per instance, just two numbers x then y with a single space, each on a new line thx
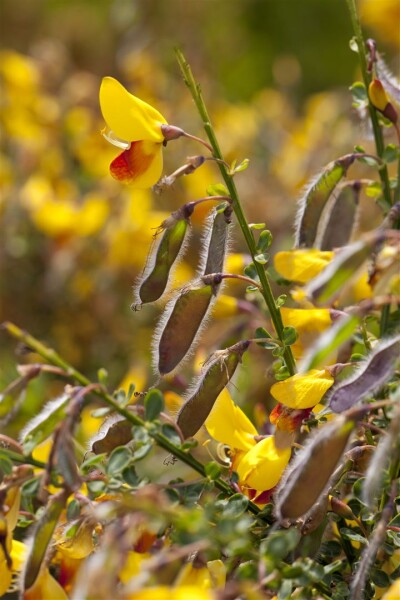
182 322
216 242
155 278
218 371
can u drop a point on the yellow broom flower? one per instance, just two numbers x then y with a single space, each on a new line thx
302 264
303 390
136 127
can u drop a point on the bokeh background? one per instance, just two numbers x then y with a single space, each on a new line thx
275 74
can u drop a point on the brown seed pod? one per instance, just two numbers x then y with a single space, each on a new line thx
315 199
216 241
182 322
165 256
311 471
217 373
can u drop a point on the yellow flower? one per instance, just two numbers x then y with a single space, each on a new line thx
162 592
45 588
259 465
209 577
393 592
303 390
136 127
309 323
302 264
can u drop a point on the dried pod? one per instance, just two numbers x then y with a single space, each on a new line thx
315 198
372 374
218 371
216 242
324 289
114 432
339 218
154 280
310 473
182 322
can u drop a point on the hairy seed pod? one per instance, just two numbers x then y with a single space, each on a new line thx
183 319
371 375
340 218
113 433
309 475
315 198
218 371
216 242
155 278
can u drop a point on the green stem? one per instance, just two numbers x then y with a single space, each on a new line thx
367 77
21 458
266 290
50 356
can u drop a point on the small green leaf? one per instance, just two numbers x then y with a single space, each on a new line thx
217 189
353 536
380 578
73 510
102 376
236 506
391 153
360 96
170 432
280 301
153 404
119 459
289 335
237 168
213 470
256 225
250 271
264 241
262 259
5 465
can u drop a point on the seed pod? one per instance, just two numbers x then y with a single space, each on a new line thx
182 321
216 242
315 198
310 473
339 218
154 280
217 374
373 373
114 432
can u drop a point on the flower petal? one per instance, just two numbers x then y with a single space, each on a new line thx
128 117
141 165
303 390
262 466
301 265
228 424
309 323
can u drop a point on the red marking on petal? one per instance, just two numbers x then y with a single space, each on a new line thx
287 419
131 163
264 497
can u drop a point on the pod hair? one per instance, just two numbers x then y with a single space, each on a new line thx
217 372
